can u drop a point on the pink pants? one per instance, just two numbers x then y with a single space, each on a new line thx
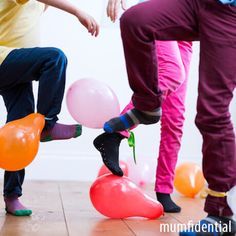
173 67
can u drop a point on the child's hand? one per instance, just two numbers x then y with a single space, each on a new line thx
85 19
88 22
113 8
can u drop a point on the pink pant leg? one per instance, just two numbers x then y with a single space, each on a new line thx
171 72
172 126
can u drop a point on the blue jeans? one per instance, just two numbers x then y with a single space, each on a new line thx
18 70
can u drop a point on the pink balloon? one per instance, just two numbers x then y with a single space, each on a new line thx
141 173
92 103
118 197
104 170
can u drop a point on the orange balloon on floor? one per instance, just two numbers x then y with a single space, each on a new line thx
118 197
19 141
189 179
104 170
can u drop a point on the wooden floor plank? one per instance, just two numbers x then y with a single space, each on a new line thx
144 227
47 217
82 218
64 208
192 209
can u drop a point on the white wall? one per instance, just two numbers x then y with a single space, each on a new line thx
100 58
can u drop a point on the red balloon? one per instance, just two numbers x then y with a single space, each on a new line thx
118 197
104 170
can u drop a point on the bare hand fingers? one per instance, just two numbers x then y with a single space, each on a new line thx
93 27
124 5
113 9
109 8
95 30
116 10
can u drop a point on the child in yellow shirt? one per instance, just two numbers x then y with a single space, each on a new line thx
21 62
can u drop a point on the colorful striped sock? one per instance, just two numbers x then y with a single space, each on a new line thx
132 118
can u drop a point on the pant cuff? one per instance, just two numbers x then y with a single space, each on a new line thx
147 103
163 189
12 194
50 123
217 206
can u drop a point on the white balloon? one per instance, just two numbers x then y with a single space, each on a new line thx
231 200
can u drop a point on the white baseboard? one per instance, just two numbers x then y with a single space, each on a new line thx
80 167
64 167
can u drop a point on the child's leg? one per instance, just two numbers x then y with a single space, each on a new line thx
13 181
108 145
174 62
171 74
19 102
48 66
171 133
157 19
216 85
52 80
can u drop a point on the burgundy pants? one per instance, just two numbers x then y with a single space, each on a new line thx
214 25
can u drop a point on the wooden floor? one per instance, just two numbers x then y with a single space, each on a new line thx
64 208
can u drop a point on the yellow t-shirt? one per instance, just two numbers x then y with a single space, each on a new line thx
19 25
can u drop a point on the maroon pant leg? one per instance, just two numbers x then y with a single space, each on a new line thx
140 26
214 24
216 84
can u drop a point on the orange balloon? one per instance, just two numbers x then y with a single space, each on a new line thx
118 197
19 141
189 179
104 170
